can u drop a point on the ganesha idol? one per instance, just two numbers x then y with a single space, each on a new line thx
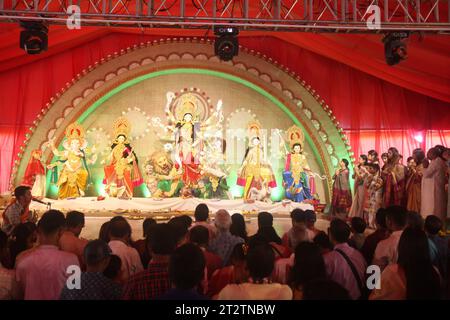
74 173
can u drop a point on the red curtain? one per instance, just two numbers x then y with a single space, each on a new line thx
375 109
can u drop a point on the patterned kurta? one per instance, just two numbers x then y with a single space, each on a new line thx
93 286
373 199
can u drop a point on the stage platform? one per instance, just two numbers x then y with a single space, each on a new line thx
90 206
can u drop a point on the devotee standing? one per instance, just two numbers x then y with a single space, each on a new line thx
446 156
120 232
311 219
298 232
372 240
413 277
19 210
236 272
394 177
358 226
342 196
93 284
43 272
70 240
141 244
433 186
237 227
414 181
374 194
308 266
360 188
186 271
372 157
153 281
199 235
8 285
384 158
260 264
386 252
201 215
23 238
224 242
432 227
345 265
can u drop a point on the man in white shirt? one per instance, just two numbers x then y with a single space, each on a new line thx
120 233
386 252
339 262
433 200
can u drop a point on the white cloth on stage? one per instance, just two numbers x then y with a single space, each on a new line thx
87 204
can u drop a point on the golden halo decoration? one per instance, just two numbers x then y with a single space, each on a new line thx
295 135
74 131
254 129
194 101
187 104
122 127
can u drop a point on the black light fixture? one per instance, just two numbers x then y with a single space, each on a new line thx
226 45
33 37
395 47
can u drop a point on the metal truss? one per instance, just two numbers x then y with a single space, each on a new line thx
269 15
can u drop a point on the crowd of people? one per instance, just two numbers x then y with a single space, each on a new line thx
421 185
197 259
204 258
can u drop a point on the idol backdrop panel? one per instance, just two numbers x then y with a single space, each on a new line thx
148 83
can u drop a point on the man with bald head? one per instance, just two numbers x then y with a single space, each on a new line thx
433 200
224 242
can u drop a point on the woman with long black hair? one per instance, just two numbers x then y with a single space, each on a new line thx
413 277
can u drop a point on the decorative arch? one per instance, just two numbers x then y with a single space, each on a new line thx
108 76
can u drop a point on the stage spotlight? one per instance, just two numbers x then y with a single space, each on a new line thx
395 47
33 37
226 45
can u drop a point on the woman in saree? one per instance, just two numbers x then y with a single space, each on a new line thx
342 197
